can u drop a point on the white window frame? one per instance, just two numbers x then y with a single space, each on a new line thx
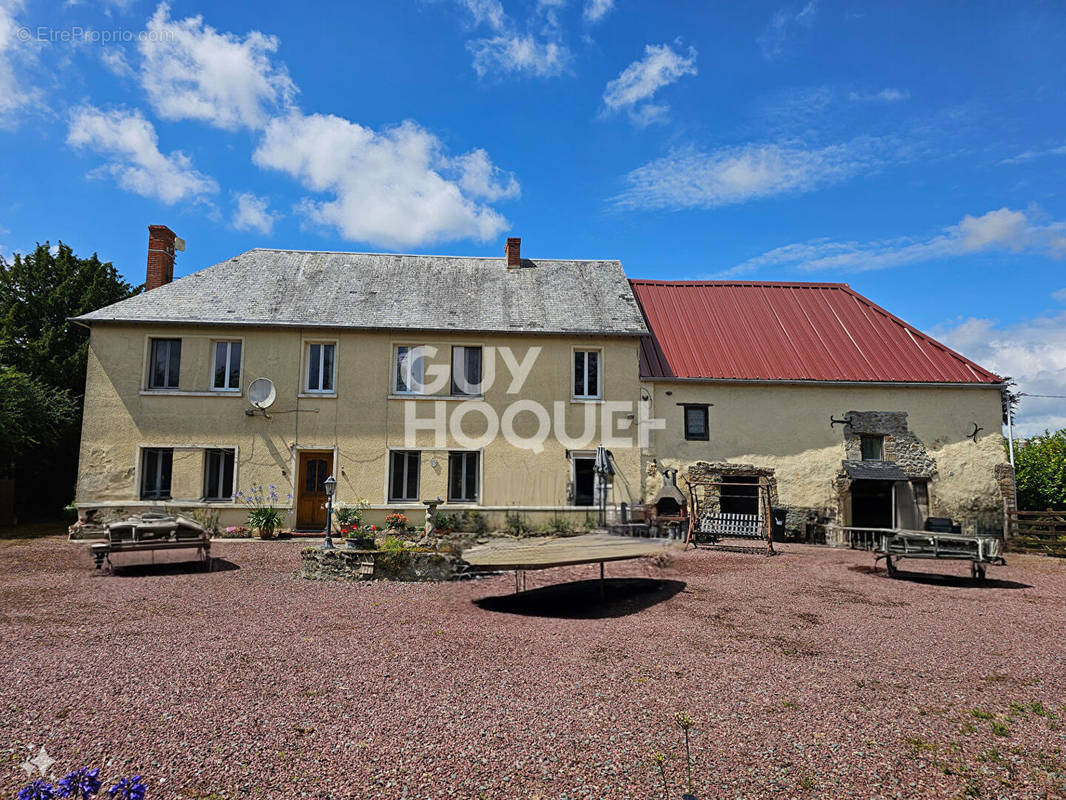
464 455
418 476
151 364
585 375
409 374
209 498
321 360
229 355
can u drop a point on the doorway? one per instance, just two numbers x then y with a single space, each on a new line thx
584 481
872 504
740 494
313 469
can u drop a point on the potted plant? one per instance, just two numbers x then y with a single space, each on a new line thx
359 538
264 515
350 514
397 522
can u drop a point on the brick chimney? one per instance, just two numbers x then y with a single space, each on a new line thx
162 242
514 253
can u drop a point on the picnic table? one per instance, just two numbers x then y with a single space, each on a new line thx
152 533
895 544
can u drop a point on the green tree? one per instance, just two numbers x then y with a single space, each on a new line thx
39 292
1040 466
42 358
34 415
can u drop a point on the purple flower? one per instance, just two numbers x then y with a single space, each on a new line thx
81 784
40 789
128 789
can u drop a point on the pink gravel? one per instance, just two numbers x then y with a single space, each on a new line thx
807 674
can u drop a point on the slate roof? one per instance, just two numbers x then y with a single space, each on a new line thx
382 291
874 471
787 331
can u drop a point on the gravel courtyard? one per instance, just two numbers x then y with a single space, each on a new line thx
807 675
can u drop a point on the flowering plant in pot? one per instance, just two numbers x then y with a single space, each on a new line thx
264 516
359 538
350 514
396 521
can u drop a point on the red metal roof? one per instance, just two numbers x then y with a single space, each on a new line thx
753 330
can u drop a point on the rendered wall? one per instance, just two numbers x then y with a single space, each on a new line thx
361 423
786 427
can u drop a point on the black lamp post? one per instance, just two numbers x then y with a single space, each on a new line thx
330 485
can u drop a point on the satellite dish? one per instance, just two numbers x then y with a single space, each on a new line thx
261 393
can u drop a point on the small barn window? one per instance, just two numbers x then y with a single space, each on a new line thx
873 448
696 423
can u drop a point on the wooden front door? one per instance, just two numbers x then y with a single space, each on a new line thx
313 470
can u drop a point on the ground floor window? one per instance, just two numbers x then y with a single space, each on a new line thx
156 466
218 474
404 466
462 477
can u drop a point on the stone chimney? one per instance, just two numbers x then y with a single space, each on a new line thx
162 243
514 253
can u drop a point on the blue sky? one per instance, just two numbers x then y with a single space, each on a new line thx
915 151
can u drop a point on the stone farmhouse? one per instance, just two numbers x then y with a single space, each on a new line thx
490 382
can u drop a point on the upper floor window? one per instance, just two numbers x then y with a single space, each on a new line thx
163 371
587 373
466 370
404 467
320 364
227 377
409 370
873 448
218 474
696 424
156 466
462 477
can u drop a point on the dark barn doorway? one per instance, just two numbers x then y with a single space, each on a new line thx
872 504
740 494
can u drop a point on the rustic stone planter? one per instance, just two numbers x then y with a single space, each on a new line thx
344 564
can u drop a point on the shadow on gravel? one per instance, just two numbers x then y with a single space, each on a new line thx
581 599
958 581
171 568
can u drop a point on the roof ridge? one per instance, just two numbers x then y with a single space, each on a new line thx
418 255
791 284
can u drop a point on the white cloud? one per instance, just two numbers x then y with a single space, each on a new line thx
519 53
137 164
253 213
114 59
883 96
510 50
191 71
15 51
486 12
394 187
639 82
1060 295
688 178
479 177
595 10
782 26
1002 230
1032 352
1032 155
